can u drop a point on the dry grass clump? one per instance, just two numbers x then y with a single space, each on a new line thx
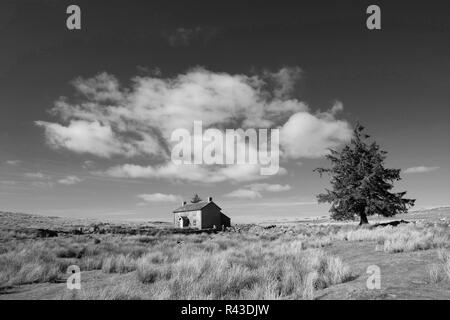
223 266
150 268
245 273
408 239
33 261
441 271
250 262
28 265
403 238
119 264
121 291
116 289
366 234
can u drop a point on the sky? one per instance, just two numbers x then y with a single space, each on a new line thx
86 116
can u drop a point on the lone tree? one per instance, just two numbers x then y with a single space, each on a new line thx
196 199
361 185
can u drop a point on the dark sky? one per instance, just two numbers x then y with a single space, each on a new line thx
395 81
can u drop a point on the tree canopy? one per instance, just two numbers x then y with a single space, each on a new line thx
361 185
196 198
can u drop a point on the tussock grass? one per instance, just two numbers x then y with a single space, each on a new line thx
412 238
116 290
119 264
28 265
365 234
252 262
412 241
255 273
223 266
34 261
405 238
441 271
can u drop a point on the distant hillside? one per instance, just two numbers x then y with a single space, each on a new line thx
14 220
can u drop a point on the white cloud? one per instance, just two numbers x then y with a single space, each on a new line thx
70 180
420 169
36 175
88 164
284 81
254 190
13 162
193 173
306 135
8 182
110 120
268 187
244 194
86 137
101 88
337 107
159 197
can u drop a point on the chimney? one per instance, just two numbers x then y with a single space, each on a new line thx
183 203
209 199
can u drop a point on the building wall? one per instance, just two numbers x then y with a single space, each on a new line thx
195 219
211 217
206 218
226 221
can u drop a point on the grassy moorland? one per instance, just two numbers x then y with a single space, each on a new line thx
286 261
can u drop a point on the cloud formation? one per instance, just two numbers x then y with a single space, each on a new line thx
13 162
254 191
159 197
88 164
193 173
37 175
306 135
112 121
244 194
70 180
268 187
420 169
87 137
8 182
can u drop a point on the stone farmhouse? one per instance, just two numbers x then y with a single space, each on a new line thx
200 215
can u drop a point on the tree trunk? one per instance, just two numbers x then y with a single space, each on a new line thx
363 220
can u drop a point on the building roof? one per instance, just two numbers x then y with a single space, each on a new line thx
194 206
